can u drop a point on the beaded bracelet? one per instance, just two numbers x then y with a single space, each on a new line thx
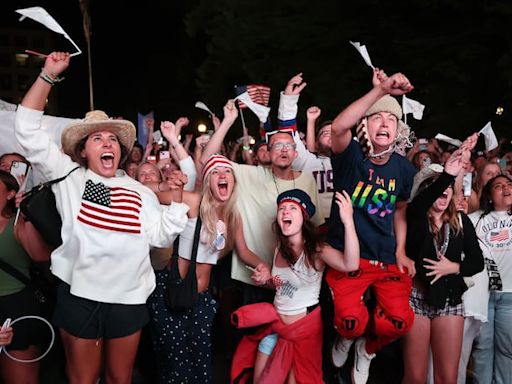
43 75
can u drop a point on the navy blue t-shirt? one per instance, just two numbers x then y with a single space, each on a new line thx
374 190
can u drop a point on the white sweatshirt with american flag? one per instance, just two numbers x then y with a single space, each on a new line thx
108 224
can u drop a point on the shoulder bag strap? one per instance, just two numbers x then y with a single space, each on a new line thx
49 183
14 272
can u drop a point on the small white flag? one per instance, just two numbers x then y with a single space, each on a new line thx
448 139
201 105
491 141
41 16
412 106
259 110
363 52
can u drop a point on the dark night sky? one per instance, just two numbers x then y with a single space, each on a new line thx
140 50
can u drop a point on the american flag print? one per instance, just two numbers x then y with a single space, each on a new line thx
258 93
499 235
110 208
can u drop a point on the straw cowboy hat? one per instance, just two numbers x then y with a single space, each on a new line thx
96 121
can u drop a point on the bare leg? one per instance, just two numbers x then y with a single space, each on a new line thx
15 372
83 358
447 332
120 358
415 349
259 365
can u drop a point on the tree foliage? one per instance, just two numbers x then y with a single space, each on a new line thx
457 53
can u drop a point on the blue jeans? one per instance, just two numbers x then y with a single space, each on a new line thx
492 355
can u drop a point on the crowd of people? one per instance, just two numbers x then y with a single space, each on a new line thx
404 247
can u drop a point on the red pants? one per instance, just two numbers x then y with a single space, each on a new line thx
393 316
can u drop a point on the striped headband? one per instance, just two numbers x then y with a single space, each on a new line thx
215 161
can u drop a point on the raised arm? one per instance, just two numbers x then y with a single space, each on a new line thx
312 114
55 64
215 143
395 85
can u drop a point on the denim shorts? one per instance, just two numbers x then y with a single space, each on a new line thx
267 344
89 319
420 307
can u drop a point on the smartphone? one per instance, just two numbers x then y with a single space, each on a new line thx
466 184
151 159
423 144
19 171
164 155
6 324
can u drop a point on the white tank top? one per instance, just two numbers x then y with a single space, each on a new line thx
297 286
205 253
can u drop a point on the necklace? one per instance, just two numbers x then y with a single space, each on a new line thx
446 241
275 183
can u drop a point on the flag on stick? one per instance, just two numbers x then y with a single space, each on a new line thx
254 97
41 16
491 141
448 139
363 52
412 106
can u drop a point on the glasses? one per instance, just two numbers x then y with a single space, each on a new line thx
279 146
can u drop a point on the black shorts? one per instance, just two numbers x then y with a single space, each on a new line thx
89 319
26 332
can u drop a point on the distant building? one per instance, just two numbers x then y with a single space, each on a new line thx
19 69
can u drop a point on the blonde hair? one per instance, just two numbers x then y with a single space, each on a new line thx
208 213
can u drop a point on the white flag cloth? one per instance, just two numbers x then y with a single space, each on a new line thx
201 105
491 141
259 110
363 52
41 16
448 139
412 106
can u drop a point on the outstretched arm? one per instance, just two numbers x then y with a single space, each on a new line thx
313 113
395 85
215 143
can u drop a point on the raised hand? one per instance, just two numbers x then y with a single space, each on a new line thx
295 85
180 123
396 85
168 130
313 113
378 76
56 63
230 111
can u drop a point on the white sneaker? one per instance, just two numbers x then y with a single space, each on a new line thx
362 361
339 351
